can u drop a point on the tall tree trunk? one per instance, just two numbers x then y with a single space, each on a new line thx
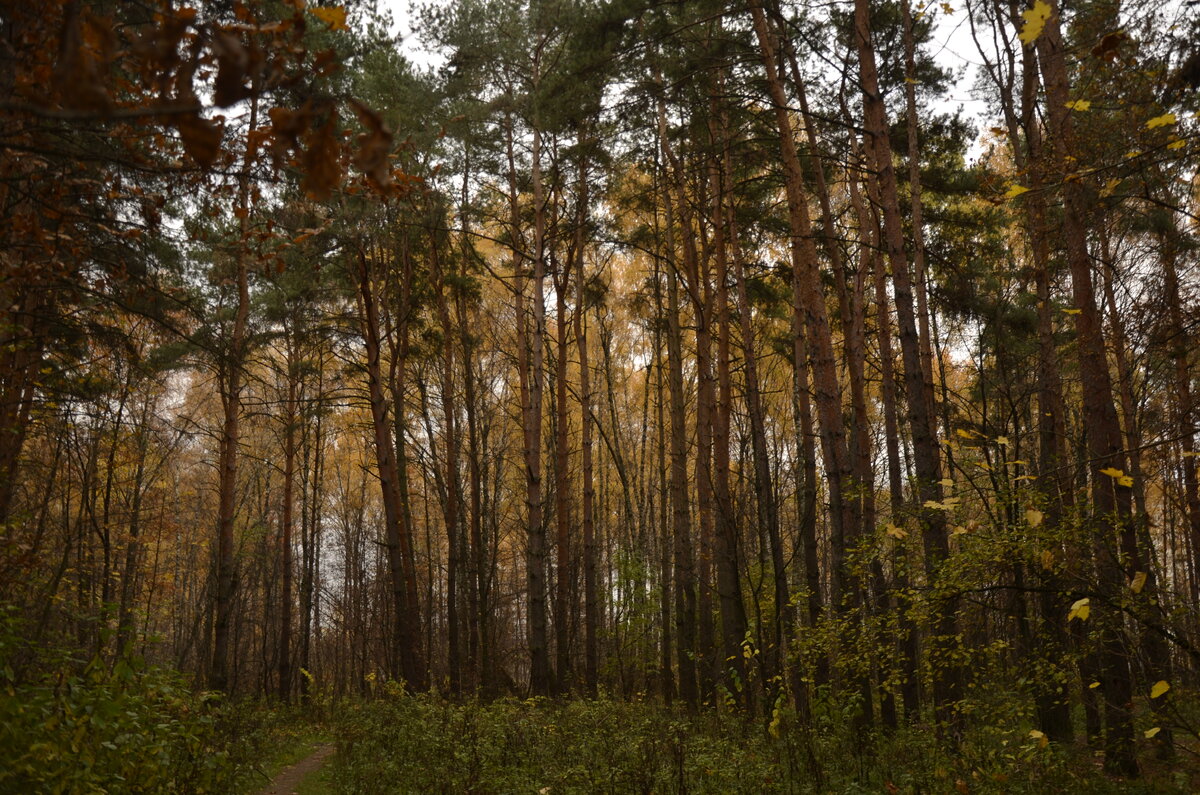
478 647
1112 516
231 402
454 541
291 417
396 535
1054 470
591 597
729 589
530 355
1157 655
926 454
916 204
562 489
311 537
133 548
810 315
678 239
1181 347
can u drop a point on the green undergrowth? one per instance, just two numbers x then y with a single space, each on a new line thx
70 724
421 744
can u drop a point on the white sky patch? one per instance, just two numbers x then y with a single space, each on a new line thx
952 46
404 20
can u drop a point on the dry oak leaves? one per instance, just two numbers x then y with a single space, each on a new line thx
153 68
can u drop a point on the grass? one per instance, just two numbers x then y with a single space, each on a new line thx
285 737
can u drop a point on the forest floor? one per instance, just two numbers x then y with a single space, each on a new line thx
289 780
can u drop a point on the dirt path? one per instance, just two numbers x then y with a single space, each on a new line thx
289 779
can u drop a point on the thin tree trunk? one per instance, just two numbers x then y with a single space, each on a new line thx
685 577
291 417
591 603
729 589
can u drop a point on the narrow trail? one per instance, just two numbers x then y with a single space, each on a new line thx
289 779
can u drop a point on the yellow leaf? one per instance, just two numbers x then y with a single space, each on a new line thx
965 434
934 504
1138 583
1002 441
1093 685
333 16
1072 311
947 8
1041 737
1190 454
1125 480
1080 609
947 482
1177 144
1159 688
958 530
1151 732
1013 192
896 532
1113 472
950 502
1047 559
1033 517
1164 120
1079 104
1035 19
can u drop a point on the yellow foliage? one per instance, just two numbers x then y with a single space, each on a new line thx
1035 19
333 16
1164 120
1138 582
1080 609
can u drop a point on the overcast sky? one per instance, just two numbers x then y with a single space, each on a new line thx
952 46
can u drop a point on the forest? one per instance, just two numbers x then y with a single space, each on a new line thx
600 396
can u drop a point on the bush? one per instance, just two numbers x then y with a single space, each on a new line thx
411 744
70 726
420 744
